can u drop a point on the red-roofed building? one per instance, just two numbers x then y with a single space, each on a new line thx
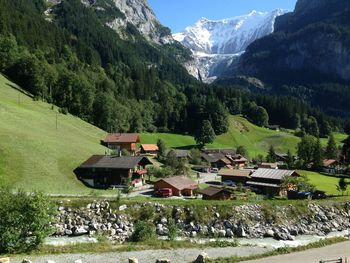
149 148
120 141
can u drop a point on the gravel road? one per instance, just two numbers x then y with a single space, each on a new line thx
332 252
149 256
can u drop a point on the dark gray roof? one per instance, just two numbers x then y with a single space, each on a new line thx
223 151
274 174
263 184
211 190
179 153
113 161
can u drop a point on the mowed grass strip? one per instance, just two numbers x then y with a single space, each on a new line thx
324 182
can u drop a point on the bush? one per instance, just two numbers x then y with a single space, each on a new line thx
24 221
144 231
173 230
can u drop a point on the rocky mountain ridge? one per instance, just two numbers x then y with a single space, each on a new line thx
218 44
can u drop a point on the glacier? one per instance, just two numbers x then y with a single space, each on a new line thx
217 44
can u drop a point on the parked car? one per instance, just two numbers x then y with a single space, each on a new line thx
228 183
319 195
164 192
214 170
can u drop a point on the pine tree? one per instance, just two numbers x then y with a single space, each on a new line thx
205 134
271 156
331 150
317 155
290 160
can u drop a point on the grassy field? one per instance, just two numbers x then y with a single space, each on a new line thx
324 182
34 155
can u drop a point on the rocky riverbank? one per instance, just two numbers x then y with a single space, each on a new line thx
282 222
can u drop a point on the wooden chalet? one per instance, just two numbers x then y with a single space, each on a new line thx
149 149
238 161
216 160
269 181
235 175
122 141
331 166
104 171
180 185
216 193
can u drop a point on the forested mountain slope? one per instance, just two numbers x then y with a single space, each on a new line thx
307 56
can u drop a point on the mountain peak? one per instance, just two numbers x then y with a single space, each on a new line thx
226 38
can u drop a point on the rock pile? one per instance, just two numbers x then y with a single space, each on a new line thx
96 217
250 221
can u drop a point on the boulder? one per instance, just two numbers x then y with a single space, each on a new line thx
229 233
80 231
240 232
4 260
78 261
269 233
122 207
50 261
163 260
133 260
222 233
202 258
26 261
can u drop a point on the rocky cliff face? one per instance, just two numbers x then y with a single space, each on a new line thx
139 14
310 44
218 44
134 12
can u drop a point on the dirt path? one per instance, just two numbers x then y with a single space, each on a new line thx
336 251
148 256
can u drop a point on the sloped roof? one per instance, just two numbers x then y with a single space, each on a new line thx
122 138
180 182
274 174
269 165
179 153
149 147
211 190
263 184
234 172
219 150
329 162
114 162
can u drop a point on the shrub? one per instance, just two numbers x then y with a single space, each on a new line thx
24 221
173 230
144 231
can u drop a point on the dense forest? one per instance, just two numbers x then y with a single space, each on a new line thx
76 62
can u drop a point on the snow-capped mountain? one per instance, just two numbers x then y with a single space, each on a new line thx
218 44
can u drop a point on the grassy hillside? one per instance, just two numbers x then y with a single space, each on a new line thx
33 154
256 139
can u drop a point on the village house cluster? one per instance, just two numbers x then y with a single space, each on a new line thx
115 170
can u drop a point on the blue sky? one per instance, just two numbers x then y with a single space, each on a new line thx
178 14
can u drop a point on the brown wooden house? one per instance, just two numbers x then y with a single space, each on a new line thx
104 171
180 185
269 181
331 166
122 141
235 175
216 193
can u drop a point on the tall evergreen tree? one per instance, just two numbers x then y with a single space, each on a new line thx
317 155
290 160
205 134
271 156
331 151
